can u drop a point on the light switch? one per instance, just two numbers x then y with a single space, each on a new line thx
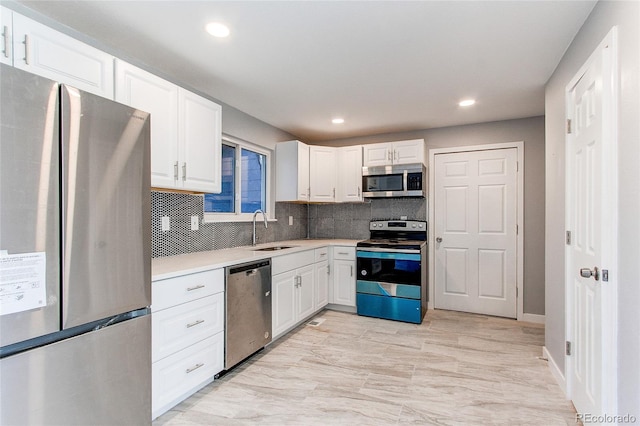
195 223
166 223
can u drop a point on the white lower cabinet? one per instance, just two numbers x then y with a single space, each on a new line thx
300 286
293 299
322 276
178 376
187 322
344 276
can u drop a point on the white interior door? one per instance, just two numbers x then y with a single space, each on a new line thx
590 219
475 229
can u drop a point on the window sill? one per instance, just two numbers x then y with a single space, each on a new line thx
246 217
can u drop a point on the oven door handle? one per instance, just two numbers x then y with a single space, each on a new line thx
381 253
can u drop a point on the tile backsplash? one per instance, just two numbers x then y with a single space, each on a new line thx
345 220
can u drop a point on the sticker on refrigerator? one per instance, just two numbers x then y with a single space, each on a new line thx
22 282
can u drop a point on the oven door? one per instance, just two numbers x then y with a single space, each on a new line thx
389 266
389 284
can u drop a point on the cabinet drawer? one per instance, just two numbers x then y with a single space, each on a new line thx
344 253
174 291
321 254
288 262
181 326
183 373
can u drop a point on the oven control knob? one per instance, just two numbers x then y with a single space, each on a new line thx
363 272
420 226
413 226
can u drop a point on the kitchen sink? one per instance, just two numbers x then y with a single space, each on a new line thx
273 248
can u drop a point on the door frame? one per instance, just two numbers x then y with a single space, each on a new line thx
519 145
608 48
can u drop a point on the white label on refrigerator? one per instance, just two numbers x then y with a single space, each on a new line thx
22 282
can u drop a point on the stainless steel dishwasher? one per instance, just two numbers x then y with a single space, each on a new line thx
248 310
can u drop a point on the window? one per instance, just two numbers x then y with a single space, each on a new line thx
245 183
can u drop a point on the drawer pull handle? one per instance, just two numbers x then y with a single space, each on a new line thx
198 287
343 253
194 368
193 324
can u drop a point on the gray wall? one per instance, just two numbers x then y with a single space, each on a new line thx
529 130
606 14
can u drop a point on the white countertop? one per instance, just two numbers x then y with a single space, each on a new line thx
172 266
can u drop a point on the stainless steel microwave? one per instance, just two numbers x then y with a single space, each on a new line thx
404 180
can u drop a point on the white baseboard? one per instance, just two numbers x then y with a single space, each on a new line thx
538 319
555 371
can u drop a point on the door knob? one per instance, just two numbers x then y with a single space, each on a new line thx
588 273
438 240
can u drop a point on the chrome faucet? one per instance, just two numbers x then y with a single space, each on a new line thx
264 216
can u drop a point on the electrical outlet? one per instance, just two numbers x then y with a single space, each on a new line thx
166 223
195 223
290 220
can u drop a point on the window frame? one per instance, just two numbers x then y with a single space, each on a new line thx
237 216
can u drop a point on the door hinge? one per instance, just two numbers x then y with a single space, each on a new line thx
568 238
568 126
567 347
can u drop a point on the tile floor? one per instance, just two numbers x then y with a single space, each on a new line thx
453 369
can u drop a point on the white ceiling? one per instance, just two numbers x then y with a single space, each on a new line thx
385 66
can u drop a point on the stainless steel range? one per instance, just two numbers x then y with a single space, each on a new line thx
392 271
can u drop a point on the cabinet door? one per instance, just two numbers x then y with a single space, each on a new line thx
41 50
407 152
306 291
344 285
176 377
322 284
303 172
377 154
349 173
283 302
6 29
322 173
143 90
200 143
181 326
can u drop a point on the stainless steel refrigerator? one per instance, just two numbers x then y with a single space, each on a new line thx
75 258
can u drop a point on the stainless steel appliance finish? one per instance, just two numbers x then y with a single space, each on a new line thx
403 180
248 310
30 193
75 185
392 275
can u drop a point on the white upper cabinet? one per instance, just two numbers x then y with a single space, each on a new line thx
322 174
349 174
6 29
143 90
292 171
390 153
200 143
186 132
41 50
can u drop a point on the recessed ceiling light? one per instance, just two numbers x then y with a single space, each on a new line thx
217 29
467 102
337 120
